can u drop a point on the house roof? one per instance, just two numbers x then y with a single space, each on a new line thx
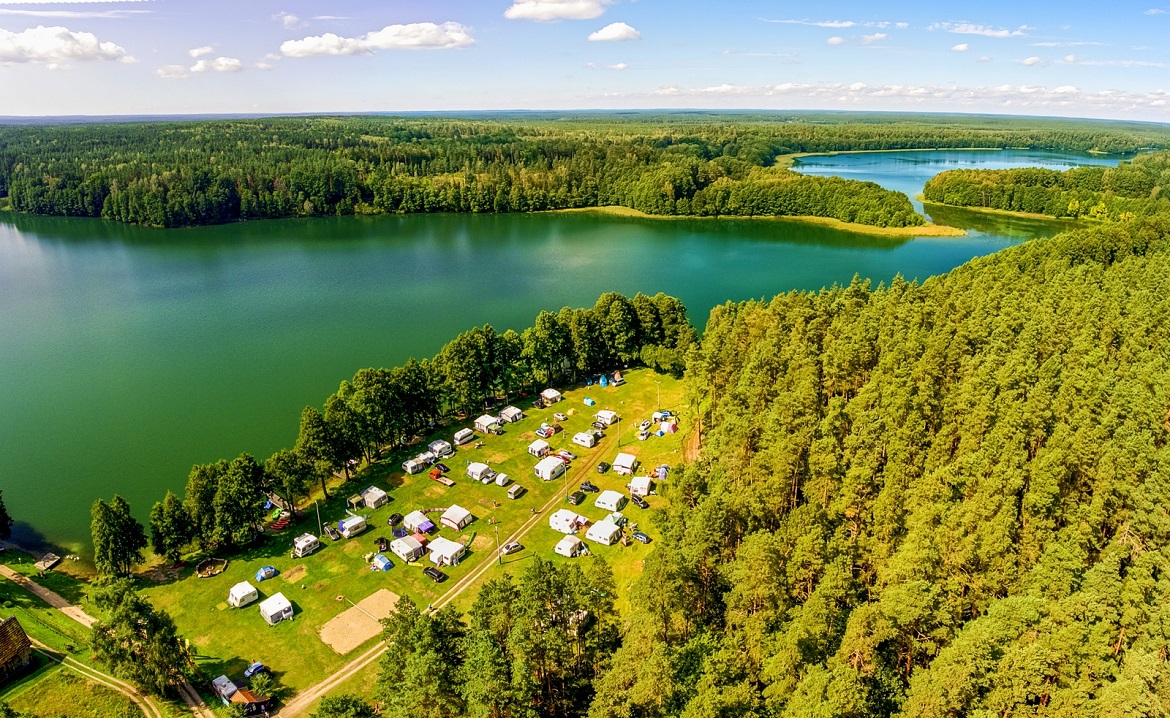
13 640
625 460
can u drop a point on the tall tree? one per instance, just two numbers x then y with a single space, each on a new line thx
118 538
202 485
140 642
344 705
171 528
420 676
239 501
315 442
5 520
290 474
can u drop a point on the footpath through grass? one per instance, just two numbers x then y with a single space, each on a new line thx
322 585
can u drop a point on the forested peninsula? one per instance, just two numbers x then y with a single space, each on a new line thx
177 174
1134 188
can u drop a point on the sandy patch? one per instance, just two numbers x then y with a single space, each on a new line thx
481 543
436 490
497 458
358 624
294 574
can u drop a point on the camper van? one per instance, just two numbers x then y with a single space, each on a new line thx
550 467
440 448
351 526
304 545
463 436
515 491
585 439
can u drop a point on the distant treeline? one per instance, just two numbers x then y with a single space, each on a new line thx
1131 189
192 173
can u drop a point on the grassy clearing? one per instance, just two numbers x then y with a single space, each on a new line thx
227 639
926 230
41 621
63 694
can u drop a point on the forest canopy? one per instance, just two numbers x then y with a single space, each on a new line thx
169 174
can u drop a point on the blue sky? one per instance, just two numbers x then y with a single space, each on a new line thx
273 56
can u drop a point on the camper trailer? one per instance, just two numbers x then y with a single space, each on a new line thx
456 517
414 466
463 436
607 417
487 424
503 480
304 545
610 501
351 526
440 448
417 522
550 467
625 464
584 439
640 486
538 448
604 532
548 397
516 491
373 497
569 547
445 552
242 594
408 548
275 609
566 521
481 472
511 414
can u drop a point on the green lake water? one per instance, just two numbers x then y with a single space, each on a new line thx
128 354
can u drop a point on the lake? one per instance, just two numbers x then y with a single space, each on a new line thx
129 354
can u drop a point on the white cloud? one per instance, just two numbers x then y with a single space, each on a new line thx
1029 61
415 36
74 14
201 51
1123 63
548 10
984 58
288 21
901 25
219 64
868 39
615 31
667 91
619 66
172 72
961 47
1157 11
56 46
970 28
815 23
834 41
1070 58
265 63
1078 43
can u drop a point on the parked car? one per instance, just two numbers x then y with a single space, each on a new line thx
639 502
641 537
545 432
382 544
643 435
566 455
597 425
394 519
602 467
644 425
442 467
560 417
255 669
511 547
576 497
588 485
434 574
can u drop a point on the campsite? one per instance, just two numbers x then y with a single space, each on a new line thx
337 575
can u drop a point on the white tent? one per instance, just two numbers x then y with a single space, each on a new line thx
607 417
668 427
478 470
610 501
440 448
624 464
604 532
242 594
414 466
538 448
374 497
456 517
275 609
486 424
566 521
550 467
511 414
585 439
416 521
569 547
550 396
640 486
407 548
445 552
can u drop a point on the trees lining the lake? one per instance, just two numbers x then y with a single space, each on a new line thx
207 172
1135 188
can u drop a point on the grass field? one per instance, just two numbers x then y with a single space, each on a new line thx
323 585
62 694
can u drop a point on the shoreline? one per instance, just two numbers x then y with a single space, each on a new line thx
787 161
1004 212
926 230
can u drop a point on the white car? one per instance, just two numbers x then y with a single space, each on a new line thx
511 547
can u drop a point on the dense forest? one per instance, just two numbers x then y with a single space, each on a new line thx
930 500
1132 189
206 172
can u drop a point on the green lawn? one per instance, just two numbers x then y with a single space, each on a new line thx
227 639
61 693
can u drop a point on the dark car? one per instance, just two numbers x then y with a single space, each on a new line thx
597 434
255 669
442 467
382 543
589 486
639 502
434 574
576 497
641 537
394 519
597 425
603 467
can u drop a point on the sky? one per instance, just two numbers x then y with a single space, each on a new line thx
134 57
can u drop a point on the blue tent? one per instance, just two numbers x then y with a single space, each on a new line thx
266 572
382 563
589 402
603 381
